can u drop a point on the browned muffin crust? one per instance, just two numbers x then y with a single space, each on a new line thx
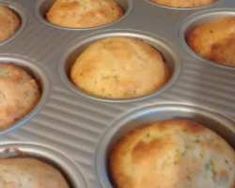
84 13
172 154
9 21
184 3
29 173
19 93
120 68
223 52
214 40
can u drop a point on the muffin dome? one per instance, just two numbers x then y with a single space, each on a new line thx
214 40
29 172
84 13
184 3
172 154
119 68
9 21
19 93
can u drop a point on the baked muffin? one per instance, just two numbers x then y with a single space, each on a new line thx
84 13
19 93
119 68
214 40
9 21
172 154
184 3
31 173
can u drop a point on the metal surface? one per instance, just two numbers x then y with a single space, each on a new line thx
73 123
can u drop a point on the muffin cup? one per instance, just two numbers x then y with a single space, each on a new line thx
184 8
197 19
171 58
20 12
52 157
42 7
41 80
164 111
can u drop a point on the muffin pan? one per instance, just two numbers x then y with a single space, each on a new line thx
83 126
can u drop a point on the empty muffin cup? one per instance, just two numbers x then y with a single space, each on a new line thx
121 66
80 14
165 114
23 91
35 165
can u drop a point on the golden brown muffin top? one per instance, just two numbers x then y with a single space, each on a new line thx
172 154
19 93
184 3
119 68
29 173
214 40
84 13
9 21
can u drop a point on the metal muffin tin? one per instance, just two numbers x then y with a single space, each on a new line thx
82 127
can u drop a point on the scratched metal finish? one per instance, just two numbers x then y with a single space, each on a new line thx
77 125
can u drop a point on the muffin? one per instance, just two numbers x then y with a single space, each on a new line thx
29 172
119 68
184 3
172 154
214 40
19 93
9 21
84 13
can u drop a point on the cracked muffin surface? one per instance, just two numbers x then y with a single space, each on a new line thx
19 93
